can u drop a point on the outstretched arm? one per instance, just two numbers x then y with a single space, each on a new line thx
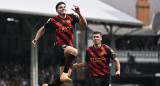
82 20
117 66
38 35
83 64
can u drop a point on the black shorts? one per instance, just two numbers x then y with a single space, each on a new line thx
101 80
58 50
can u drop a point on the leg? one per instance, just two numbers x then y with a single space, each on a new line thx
70 50
70 53
96 81
105 80
56 82
62 69
101 80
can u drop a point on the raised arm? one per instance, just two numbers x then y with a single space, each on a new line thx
82 20
83 64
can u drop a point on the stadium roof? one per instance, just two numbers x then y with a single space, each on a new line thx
130 7
144 31
94 10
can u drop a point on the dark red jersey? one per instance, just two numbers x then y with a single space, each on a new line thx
99 59
62 28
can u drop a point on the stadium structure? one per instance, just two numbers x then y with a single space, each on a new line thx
135 38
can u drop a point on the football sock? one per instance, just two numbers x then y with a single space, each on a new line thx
56 82
68 62
64 73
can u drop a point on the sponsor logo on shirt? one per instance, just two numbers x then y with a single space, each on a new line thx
97 59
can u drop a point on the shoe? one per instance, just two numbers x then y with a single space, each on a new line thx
44 84
65 78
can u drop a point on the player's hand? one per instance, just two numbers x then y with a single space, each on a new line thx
34 42
118 73
76 9
75 65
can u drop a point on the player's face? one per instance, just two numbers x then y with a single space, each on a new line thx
62 9
97 39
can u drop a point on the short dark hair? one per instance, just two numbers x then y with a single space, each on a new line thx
59 3
97 32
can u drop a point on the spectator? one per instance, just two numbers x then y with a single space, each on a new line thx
131 62
41 77
2 83
47 77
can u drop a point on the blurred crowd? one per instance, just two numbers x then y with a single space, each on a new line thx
45 77
17 73
14 73
138 47
138 44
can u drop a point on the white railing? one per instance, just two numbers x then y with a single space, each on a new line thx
140 56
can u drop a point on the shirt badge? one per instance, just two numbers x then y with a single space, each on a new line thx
68 21
102 53
112 52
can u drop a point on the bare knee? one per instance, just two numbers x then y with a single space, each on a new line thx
71 50
75 52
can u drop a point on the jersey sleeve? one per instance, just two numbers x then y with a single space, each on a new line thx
75 18
111 53
48 24
87 57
